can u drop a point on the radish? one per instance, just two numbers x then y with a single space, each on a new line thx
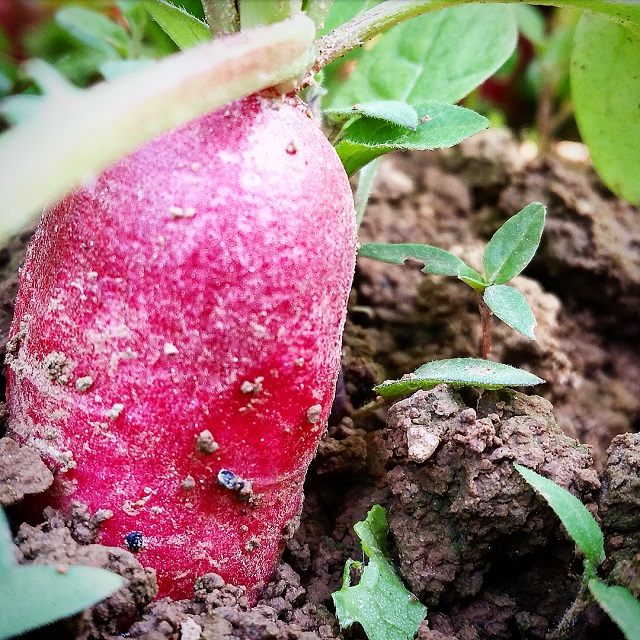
176 339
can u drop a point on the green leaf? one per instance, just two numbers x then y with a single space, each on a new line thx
182 27
94 29
575 517
342 12
379 602
437 56
531 23
366 178
620 606
33 596
511 307
436 261
605 86
514 244
441 125
391 111
470 372
58 595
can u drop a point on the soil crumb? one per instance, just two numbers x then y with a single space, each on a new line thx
22 472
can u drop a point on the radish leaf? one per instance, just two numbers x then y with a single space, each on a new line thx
379 602
441 125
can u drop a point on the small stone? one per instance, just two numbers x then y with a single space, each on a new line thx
421 443
190 630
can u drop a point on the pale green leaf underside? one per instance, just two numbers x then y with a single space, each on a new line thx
605 87
472 372
511 307
514 244
444 125
620 606
575 517
391 111
183 28
379 602
33 596
438 56
436 261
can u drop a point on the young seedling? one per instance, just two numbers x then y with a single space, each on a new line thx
34 596
617 601
507 253
379 601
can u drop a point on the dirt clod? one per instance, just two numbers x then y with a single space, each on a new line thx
21 472
449 513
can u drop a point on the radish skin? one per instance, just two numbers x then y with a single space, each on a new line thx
178 328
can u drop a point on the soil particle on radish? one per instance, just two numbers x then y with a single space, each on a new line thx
188 483
84 384
205 442
115 411
57 367
252 388
169 349
242 488
313 413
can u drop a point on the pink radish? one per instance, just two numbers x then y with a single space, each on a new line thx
177 334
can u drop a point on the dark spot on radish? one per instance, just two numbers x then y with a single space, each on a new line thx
134 541
291 148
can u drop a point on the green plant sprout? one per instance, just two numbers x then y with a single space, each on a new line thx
34 596
507 253
618 602
379 602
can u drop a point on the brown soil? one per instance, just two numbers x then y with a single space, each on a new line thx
468 536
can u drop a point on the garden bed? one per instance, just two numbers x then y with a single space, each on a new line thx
469 537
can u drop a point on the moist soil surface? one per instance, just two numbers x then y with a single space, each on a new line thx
469 538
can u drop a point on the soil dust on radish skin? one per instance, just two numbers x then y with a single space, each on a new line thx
517 577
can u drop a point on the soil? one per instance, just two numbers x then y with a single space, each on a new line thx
469 537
